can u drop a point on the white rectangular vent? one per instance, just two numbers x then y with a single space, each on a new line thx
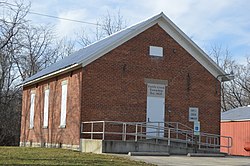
156 51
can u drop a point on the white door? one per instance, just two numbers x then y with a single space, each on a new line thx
155 110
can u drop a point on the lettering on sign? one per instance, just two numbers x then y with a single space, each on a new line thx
193 114
196 128
156 90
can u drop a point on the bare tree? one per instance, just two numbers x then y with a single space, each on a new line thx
112 23
39 48
235 93
63 47
11 23
24 50
32 52
107 25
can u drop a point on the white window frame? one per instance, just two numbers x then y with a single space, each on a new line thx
32 108
46 108
64 104
156 51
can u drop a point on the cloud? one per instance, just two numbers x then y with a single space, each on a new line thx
68 28
206 22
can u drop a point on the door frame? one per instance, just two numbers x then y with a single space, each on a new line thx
152 92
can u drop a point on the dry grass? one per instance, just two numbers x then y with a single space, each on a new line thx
50 156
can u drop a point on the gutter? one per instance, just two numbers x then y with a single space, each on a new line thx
53 74
239 120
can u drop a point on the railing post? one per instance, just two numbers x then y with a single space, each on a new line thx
136 133
124 131
186 139
218 141
92 128
192 138
214 142
169 137
81 127
158 130
177 129
103 130
141 132
199 140
206 142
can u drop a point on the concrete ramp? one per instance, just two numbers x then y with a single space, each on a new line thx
117 146
167 137
139 147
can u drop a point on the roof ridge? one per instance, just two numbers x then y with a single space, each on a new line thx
129 27
99 48
78 56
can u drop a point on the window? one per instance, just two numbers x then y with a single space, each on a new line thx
32 109
63 104
156 51
46 108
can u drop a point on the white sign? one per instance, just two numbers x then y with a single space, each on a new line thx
196 128
193 114
156 90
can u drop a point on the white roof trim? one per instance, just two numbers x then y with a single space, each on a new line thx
240 120
192 48
101 52
175 33
51 74
87 55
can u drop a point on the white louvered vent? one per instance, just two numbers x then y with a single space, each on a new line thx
155 51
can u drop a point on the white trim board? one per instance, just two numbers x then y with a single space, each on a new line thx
97 49
179 36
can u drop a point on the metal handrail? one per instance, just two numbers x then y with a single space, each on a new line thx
169 128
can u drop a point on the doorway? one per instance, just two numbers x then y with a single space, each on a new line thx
155 109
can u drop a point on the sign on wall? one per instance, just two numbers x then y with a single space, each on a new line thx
193 114
196 128
156 90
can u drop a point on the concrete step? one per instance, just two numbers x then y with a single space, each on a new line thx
148 154
206 155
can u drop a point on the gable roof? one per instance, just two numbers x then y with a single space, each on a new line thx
97 49
237 114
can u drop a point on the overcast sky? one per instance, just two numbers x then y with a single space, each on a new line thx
207 22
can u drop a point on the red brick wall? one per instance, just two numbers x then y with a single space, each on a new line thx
114 87
53 134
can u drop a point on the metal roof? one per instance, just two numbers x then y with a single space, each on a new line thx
236 114
83 54
95 50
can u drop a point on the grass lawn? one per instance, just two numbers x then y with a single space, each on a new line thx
52 156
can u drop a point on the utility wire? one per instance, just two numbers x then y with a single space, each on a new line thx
61 18
55 17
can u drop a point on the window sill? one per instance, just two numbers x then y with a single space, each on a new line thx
62 127
45 127
31 128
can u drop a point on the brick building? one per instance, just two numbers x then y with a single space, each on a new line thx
113 80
